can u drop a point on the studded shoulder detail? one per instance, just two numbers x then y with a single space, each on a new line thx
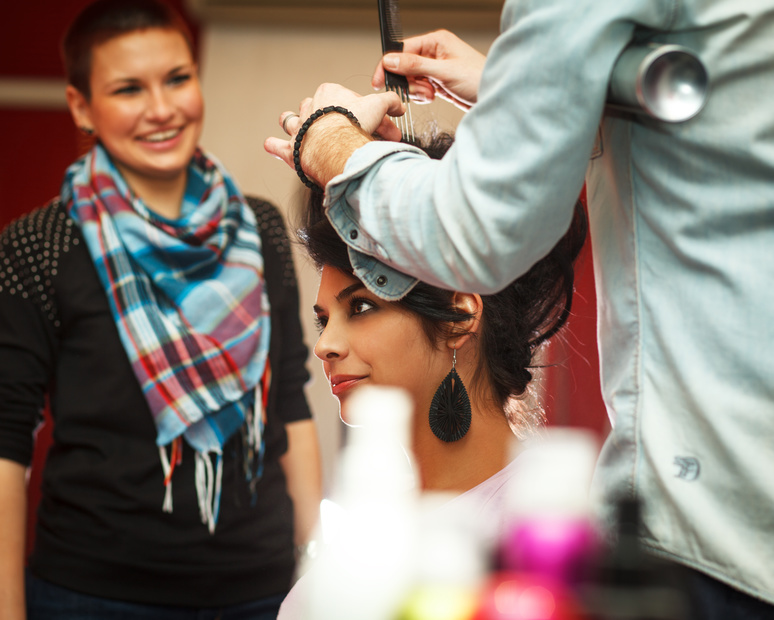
272 229
30 251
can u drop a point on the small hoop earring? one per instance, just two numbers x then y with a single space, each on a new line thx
450 409
87 130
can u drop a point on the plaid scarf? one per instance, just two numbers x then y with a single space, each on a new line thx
189 301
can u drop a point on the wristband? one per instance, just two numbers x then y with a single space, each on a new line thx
302 132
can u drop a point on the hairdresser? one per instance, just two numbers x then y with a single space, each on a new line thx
682 225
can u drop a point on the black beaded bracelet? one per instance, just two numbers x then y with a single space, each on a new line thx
302 132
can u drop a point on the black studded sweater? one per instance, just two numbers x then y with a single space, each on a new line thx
101 529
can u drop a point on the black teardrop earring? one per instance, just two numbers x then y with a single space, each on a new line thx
450 409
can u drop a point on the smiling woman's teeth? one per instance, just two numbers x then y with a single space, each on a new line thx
162 135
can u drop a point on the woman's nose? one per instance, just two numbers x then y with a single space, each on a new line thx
330 345
159 107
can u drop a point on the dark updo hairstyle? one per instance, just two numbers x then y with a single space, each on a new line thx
106 19
515 321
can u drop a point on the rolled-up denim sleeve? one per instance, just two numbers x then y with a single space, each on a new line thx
504 193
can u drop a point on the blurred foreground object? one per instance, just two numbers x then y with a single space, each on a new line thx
630 583
391 553
368 525
551 532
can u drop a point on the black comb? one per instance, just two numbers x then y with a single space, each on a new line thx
392 41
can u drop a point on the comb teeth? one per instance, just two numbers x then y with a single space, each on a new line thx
389 25
393 21
392 41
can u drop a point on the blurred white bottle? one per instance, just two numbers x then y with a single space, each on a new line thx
450 561
365 565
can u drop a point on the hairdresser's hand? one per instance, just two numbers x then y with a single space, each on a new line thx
437 64
331 139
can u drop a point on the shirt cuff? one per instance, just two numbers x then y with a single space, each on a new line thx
365 252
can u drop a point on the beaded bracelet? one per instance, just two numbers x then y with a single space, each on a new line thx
302 132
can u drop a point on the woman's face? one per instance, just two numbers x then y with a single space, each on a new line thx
146 104
366 340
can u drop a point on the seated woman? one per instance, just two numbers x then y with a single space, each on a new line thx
465 359
489 341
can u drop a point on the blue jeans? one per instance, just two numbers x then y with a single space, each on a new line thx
46 601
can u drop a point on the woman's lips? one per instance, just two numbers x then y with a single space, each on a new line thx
162 139
342 383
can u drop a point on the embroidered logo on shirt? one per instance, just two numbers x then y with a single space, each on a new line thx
688 468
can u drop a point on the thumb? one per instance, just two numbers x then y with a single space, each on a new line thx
391 62
408 64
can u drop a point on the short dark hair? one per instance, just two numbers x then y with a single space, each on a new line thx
106 19
515 321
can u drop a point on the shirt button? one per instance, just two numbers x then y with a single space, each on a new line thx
353 234
381 280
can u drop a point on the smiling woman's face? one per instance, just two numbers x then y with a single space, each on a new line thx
146 104
366 340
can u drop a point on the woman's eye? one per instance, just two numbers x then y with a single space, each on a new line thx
359 306
179 78
320 322
128 90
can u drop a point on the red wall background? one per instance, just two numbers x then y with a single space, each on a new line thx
36 145
572 390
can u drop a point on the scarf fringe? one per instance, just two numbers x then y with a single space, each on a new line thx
168 464
167 505
208 479
254 421
208 482
208 486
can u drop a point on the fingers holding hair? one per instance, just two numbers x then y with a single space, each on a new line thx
436 64
372 112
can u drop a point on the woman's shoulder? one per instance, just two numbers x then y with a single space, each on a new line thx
263 208
39 236
271 224
274 238
45 219
32 247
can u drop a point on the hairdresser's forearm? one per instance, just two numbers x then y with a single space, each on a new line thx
328 144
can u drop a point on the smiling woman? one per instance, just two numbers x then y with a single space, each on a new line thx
156 308
144 104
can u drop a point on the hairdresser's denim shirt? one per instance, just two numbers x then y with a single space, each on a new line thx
682 223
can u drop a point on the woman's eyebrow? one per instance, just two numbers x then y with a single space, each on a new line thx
346 292
181 68
349 290
124 81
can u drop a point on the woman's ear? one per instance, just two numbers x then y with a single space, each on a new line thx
80 109
472 305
